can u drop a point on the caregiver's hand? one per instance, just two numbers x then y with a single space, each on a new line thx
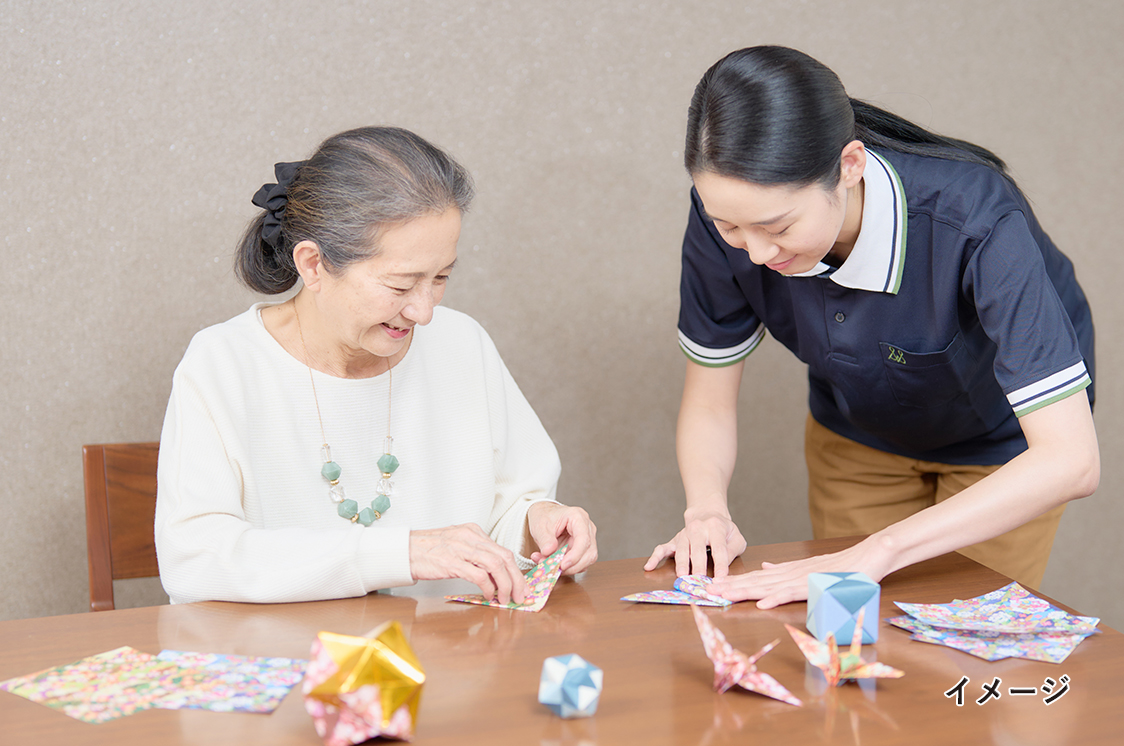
711 529
776 584
552 525
466 552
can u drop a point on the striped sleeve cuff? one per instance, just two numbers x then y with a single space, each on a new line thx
1049 390
712 358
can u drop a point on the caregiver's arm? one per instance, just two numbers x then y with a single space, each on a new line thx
1061 463
706 444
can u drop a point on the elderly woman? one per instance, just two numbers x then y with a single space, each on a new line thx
355 436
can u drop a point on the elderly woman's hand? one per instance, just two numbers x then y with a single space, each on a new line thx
553 525
466 552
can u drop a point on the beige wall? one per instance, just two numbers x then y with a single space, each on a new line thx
133 134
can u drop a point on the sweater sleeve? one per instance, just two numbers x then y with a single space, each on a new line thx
526 461
207 547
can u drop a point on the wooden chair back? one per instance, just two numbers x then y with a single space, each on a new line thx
120 510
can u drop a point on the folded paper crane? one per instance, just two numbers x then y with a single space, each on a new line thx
732 666
358 688
689 589
570 686
540 582
839 668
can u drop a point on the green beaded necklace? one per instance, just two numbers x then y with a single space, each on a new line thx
331 471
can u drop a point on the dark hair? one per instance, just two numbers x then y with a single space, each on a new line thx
356 184
773 115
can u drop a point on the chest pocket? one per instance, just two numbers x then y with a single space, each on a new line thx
927 379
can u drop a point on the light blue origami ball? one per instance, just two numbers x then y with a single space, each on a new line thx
570 686
834 601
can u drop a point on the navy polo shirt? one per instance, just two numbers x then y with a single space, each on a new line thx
953 315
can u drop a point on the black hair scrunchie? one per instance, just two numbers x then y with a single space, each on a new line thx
272 198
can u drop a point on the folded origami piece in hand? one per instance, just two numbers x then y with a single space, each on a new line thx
689 589
358 688
540 582
732 666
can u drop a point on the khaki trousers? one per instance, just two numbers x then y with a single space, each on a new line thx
857 490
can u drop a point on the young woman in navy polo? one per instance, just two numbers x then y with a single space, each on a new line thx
947 340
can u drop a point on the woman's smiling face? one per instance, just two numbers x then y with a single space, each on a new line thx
370 307
788 229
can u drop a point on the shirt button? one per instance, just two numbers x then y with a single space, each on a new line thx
840 317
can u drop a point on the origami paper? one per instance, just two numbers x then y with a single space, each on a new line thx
540 582
1009 622
732 666
839 668
105 686
232 683
835 600
570 686
358 688
688 589
1049 647
1009 609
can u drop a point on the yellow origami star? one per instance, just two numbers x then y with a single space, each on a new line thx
382 658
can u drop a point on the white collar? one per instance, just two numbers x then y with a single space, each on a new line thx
878 257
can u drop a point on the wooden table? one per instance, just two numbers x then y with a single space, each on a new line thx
483 669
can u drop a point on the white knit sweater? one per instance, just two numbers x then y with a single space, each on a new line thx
242 512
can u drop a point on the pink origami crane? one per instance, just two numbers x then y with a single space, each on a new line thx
839 668
732 666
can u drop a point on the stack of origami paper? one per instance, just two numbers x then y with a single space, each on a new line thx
1007 623
540 582
689 589
358 688
120 682
835 600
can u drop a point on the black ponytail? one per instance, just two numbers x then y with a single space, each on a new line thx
883 130
259 265
773 115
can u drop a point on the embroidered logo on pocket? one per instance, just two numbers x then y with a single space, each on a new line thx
896 355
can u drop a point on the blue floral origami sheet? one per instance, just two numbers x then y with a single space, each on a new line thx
1009 622
689 589
233 683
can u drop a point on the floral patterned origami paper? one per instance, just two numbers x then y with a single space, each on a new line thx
358 688
732 666
540 582
123 681
689 589
839 668
1009 622
105 686
232 683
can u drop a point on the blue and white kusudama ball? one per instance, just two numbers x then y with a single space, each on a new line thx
570 686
